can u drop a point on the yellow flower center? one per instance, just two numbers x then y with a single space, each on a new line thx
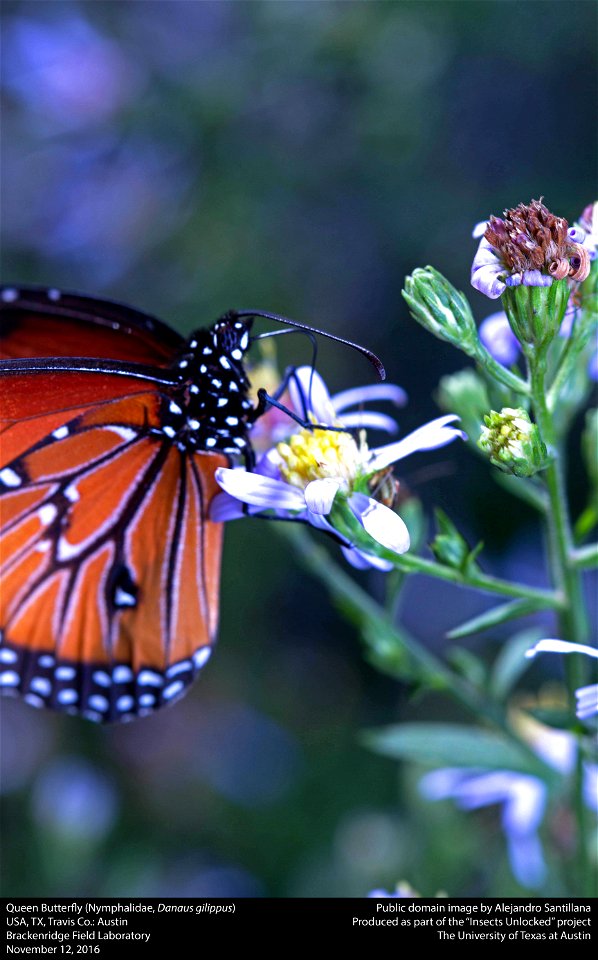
315 454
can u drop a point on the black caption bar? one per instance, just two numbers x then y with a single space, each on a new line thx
107 928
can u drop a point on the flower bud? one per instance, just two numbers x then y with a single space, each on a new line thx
513 443
441 309
536 312
448 546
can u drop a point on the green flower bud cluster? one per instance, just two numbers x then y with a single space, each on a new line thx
513 443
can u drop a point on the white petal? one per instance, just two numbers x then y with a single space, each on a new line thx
590 786
224 507
435 434
309 395
526 858
369 420
261 491
320 494
587 701
487 271
370 394
441 784
556 747
383 525
525 806
479 230
561 646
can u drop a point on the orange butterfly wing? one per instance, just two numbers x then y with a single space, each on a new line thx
109 562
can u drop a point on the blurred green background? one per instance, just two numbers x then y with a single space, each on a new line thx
300 157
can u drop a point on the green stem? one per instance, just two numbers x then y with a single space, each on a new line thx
477 581
365 610
566 579
500 373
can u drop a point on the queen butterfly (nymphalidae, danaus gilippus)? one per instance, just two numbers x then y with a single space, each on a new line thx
112 427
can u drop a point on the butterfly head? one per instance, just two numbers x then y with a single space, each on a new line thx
210 409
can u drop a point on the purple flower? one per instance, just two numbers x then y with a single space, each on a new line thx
498 338
523 801
530 246
315 472
523 798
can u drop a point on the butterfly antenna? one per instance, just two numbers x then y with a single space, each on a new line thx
374 360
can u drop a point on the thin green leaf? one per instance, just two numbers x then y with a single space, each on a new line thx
445 744
494 617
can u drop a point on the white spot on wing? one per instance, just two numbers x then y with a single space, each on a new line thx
122 674
124 599
201 657
33 700
125 703
60 433
150 679
9 679
9 478
177 668
65 673
47 513
173 689
125 432
66 550
98 702
8 656
224 363
67 696
101 678
41 685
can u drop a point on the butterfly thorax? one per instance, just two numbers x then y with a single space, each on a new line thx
210 409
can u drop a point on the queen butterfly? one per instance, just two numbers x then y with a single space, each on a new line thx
112 428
